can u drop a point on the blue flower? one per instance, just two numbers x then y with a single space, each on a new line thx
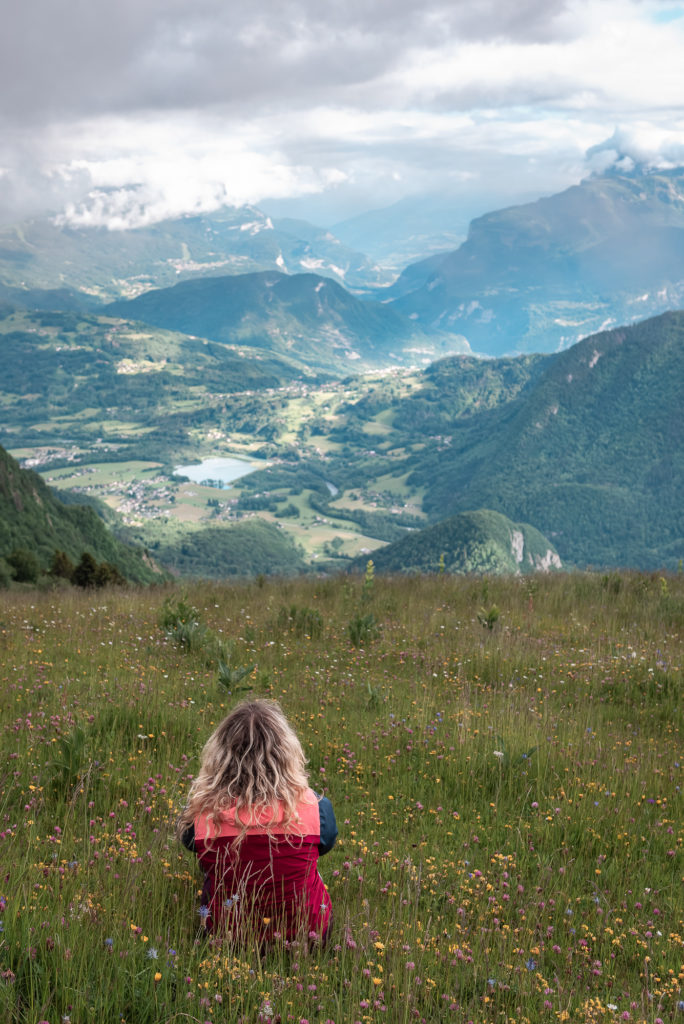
203 912
531 964
680 1005
109 943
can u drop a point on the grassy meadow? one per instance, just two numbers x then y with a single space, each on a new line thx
507 789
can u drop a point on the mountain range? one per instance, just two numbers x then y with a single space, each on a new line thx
102 264
531 278
585 442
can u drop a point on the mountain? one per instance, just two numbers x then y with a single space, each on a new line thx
408 230
472 542
590 450
33 519
301 316
540 276
104 264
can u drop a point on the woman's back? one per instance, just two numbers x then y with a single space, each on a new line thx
268 880
258 829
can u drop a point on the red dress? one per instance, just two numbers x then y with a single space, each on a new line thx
268 884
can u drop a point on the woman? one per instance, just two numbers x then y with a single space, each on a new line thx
258 829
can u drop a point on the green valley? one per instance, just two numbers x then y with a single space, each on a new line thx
346 466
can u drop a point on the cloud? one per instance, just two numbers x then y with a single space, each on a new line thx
62 60
639 144
122 114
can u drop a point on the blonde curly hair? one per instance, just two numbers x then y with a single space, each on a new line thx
254 762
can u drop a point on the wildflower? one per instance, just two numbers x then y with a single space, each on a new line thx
203 912
109 943
152 953
531 964
2 926
157 977
499 754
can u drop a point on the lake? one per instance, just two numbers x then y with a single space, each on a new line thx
219 472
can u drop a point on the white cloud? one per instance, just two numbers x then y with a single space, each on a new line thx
134 111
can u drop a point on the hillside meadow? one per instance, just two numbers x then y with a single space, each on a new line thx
505 761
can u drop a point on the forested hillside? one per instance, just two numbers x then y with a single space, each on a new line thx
472 542
33 520
591 452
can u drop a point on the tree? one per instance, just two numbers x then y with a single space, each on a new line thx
108 575
85 573
24 565
61 566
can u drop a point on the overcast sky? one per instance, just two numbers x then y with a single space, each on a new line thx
122 112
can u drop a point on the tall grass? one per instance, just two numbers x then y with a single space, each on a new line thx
508 794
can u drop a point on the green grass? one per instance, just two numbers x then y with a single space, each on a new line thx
508 800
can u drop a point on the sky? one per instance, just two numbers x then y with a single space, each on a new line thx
120 114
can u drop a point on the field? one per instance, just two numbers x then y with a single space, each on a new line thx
158 506
504 757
